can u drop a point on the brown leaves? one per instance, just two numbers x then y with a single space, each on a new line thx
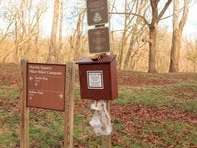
126 112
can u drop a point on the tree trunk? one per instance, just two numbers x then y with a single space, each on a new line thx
37 39
16 42
152 48
123 40
53 53
177 33
128 56
121 54
60 27
175 51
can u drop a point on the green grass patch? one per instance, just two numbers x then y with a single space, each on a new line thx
163 134
9 129
9 139
171 133
160 96
47 127
9 92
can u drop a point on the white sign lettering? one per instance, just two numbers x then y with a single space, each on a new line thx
95 79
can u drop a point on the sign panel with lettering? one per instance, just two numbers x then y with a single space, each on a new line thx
46 86
95 79
99 40
97 12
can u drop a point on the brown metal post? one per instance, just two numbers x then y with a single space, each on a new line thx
69 106
24 134
106 140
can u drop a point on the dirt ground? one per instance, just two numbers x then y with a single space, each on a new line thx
10 73
126 114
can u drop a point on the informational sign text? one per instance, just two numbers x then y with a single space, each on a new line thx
95 79
46 86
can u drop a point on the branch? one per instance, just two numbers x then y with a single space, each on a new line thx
6 32
185 14
163 18
130 13
164 9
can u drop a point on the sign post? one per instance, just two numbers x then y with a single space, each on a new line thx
47 86
106 140
69 106
24 135
99 42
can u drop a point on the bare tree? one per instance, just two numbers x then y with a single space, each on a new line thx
136 33
23 27
132 31
156 16
178 27
153 28
192 55
53 47
61 23
76 40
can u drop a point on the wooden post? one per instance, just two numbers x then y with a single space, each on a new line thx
24 135
106 140
69 106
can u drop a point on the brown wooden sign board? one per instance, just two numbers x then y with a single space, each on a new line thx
46 86
99 40
50 79
97 12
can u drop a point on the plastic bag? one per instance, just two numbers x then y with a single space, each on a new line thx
101 120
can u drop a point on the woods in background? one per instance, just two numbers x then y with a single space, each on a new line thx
142 44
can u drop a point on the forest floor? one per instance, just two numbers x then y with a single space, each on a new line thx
152 110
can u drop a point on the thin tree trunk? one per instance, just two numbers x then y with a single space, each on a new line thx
16 42
37 38
177 33
123 41
78 37
152 49
53 53
128 55
175 52
60 28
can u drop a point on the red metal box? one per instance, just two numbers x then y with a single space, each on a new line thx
98 78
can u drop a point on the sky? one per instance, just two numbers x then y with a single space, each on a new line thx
191 26
190 30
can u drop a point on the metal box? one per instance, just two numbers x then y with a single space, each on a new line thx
98 78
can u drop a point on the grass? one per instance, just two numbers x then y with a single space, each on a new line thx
153 134
161 96
9 129
46 127
171 133
9 92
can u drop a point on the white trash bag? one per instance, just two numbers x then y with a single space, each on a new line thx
101 121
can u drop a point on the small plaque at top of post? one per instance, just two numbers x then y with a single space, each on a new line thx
97 12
